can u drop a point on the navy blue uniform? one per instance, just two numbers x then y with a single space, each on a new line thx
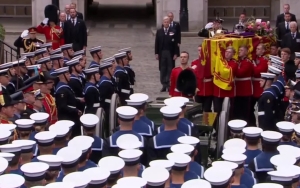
91 98
97 147
142 128
251 154
106 89
94 64
197 169
148 121
122 84
181 126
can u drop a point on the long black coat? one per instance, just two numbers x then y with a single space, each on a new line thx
75 34
289 70
280 18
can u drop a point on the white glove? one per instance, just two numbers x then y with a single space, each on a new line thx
194 66
24 33
45 21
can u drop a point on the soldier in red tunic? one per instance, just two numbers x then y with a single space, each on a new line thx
259 66
184 58
243 86
53 33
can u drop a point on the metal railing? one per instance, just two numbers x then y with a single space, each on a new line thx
235 11
17 10
8 53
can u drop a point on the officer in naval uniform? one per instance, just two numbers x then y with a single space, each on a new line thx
96 54
91 92
29 44
129 69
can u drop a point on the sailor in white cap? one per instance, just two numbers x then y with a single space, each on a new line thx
235 142
121 77
70 156
15 162
196 183
261 163
162 163
128 141
267 185
252 138
24 128
282 177
283 160
78 179
139 125
45 142
291 168
28 147
287 130
115 166
85 145
67 123
182 125
65 99
98 176
128 68
241 177
156 176
159 146
3 165
97 55
61 131
40 121
236 127
126 116
218 177
131 158
67 51
290 151
132 181
34 173
179 173
59 185
54 163
12 180
4 136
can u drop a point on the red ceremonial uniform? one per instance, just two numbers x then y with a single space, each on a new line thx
260 66
218 92
173 81
52 34
50 108
243 78
205 85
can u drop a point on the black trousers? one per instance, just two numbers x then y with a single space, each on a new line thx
206 102
242 108
166 66
252 120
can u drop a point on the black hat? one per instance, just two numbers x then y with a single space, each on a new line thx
187 82
44 78
28 84
17 97
51 12
5 99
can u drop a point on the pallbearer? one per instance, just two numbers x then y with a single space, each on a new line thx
96 54
129 70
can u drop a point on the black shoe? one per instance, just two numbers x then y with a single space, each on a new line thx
163 89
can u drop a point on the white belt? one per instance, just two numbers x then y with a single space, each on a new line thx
207 80
71 106
108 100
96 105
131 86
125 91
256 79
242 79
262 113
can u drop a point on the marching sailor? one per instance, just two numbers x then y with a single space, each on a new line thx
67 51
96 54
127 67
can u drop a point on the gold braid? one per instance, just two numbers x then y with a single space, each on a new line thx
28 47
52 104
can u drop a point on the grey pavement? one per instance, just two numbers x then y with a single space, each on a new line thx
142 43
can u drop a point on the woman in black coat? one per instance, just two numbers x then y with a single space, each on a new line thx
289 65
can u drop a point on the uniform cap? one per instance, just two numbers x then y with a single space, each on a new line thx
180 98
91 70
237 125
3 72
135 181
128 141
171 112
79 53
267 75
83 144
274 57
45 138
130 155
3 165
34 170
217 176
46 45
297 54
10 148
225 165
267 185
59 130
274 70
39 117
126 112
289 150
43 60
73 61
237 158
89 120
28 54
95 49
233 150
97 175
252 131
276 60
70 155
7 156
182 148
271 136
4 135
139 96
6 65
11 180
174 102
109 60
179 159
40 51
84 138
123 186
56 56
155 176
59 185
112 163
66 46
33 67
61 70
283 160
285 126
21 62
51 160
56 51
196 183
78 179
127 50
9 127
281 176
67 123
26 145
297 128
191 140
120 55
235 142
162 163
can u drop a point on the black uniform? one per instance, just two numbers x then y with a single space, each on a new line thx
106 89
77 86
122 84
92 98
28 45
131 75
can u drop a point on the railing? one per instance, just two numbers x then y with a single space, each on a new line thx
8 53
15 10
232 12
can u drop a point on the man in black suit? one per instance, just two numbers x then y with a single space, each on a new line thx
280 17
291 40
62 19
175 26
166 52
283 28
79 14
75 32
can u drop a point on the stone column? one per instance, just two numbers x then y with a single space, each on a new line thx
294 4
38 7
275 9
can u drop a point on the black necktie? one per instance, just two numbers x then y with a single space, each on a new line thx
287 26
73 21
293 35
